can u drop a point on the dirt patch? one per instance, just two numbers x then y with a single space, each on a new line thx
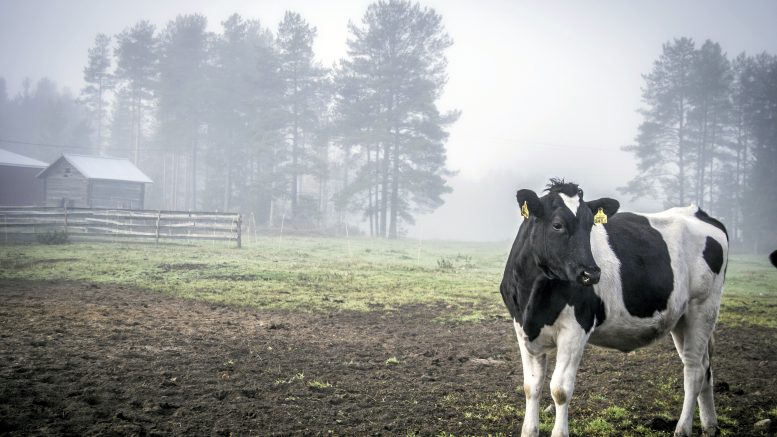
78 358
24 264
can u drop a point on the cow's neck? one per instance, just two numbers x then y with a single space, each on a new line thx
530 271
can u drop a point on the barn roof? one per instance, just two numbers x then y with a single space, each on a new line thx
17 160
95 167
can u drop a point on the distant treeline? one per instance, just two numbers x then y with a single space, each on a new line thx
709 137
247 119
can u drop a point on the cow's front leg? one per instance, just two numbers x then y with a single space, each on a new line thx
570 345
533 376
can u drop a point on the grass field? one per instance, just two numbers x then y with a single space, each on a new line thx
336 274
340 324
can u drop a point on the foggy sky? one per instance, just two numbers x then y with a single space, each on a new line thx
547 89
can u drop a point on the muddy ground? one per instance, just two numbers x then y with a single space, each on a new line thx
86 359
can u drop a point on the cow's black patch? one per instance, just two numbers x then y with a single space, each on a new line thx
773 258
535 300
547 298
713 255
703 216
646 269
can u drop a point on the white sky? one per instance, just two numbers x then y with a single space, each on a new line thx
546 88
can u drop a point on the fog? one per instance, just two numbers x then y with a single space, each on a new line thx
545 89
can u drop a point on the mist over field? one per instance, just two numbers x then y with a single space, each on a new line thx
403 119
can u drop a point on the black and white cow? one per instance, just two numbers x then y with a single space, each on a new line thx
620 283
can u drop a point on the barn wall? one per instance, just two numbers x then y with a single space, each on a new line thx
116 194
19 186
63 181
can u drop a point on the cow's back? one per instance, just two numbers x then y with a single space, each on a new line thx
652 265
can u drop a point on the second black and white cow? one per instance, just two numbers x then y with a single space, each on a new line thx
621 283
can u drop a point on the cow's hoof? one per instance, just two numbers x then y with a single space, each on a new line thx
711 431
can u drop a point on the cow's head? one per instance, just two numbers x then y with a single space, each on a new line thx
559 230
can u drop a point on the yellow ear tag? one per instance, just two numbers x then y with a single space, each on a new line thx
525 210
600 217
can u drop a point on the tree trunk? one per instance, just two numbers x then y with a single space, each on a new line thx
701 158
681 153
294 149
384 191
370 203
227 183
395 187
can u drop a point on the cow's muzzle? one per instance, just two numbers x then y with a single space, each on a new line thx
589 275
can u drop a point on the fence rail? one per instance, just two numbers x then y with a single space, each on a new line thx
91 222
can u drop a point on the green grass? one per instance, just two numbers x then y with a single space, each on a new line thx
295 273
750 293
335 274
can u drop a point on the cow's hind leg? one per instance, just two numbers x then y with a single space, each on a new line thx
709 419
693 338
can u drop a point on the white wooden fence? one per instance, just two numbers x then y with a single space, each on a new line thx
145 224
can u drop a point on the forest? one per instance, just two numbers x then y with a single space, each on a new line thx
247 119
709 137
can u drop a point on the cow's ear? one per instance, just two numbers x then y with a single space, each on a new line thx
608 206
529 203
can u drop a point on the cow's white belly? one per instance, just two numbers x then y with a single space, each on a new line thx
626 333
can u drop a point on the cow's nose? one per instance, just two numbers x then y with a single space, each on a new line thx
589 275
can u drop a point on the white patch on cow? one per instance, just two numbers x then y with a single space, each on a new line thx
620 329
572 202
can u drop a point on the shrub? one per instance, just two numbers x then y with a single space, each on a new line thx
52 237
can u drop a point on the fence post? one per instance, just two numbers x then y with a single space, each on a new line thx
239 231
65 208
158 216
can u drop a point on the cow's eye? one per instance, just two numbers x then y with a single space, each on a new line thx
558 226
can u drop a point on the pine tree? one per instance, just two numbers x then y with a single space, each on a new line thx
44 114
711 90
303 85
398 56
663 148
180 116
740 143
243 118
136 62
759 80
98 82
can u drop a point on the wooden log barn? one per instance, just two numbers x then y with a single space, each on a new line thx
94 182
